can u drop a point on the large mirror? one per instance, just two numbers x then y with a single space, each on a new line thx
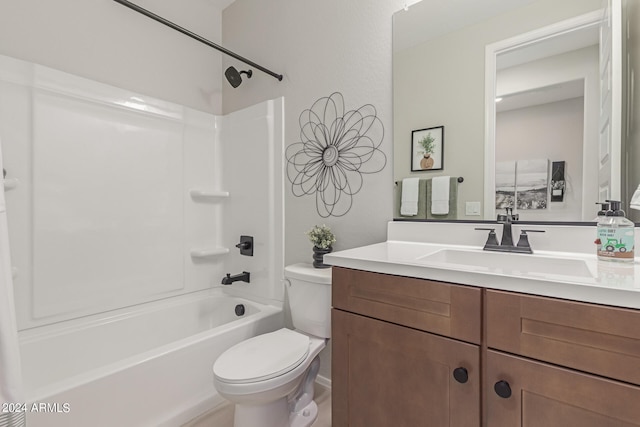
514 89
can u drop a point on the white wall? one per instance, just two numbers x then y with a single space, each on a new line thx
320 47
554 132
107 42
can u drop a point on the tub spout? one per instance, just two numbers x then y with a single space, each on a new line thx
229 279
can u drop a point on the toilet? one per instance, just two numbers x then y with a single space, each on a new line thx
271 377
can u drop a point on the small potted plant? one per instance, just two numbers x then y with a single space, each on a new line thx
323 240
428 144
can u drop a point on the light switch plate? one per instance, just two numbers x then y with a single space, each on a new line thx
472 208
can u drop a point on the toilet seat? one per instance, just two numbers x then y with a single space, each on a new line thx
262 357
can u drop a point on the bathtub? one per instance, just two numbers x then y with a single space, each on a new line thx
146 366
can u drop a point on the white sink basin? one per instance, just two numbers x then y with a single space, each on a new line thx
508 263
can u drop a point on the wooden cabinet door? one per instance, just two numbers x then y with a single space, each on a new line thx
543 395
388 375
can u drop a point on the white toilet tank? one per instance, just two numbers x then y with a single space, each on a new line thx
309 292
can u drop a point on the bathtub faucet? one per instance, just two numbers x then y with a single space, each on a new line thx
229 279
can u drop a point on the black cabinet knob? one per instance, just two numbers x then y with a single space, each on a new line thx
461 375
502 389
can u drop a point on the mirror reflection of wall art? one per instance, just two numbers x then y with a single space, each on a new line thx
427 149
335 149
532 184
522 184
505 184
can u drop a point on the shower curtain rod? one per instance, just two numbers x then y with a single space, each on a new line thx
195 36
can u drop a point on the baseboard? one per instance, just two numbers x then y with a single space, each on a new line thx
323 381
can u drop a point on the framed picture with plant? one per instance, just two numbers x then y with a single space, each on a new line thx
427 149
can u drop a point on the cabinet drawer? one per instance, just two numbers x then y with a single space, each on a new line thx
441 308
588 337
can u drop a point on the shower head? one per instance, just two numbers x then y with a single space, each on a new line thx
234 76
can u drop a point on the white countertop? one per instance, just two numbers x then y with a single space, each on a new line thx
600 282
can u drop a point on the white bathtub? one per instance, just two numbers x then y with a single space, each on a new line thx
147 366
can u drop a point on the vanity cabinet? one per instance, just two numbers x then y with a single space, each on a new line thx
405 351
402 346
569 363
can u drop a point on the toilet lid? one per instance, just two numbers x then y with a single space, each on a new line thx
263 357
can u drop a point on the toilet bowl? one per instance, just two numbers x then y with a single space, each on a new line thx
260 375
270 378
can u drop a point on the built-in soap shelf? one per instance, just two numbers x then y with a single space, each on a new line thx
208 194
208 252
10 183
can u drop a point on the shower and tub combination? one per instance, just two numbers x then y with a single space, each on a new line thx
147 365
123 222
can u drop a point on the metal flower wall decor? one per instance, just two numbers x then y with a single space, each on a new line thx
335 149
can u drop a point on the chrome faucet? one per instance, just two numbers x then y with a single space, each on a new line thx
229 279
506 242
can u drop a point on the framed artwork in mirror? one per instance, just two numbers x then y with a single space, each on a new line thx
427 149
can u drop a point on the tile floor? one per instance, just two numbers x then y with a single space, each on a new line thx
223 416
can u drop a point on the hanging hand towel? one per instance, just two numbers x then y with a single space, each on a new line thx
635 199
410 194
10 372
440 195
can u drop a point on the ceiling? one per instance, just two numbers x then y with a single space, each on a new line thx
411 29
221 4
541 95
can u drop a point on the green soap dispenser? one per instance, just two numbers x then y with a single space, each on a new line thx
616 238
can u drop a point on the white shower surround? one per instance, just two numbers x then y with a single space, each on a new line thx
127 204
103 215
